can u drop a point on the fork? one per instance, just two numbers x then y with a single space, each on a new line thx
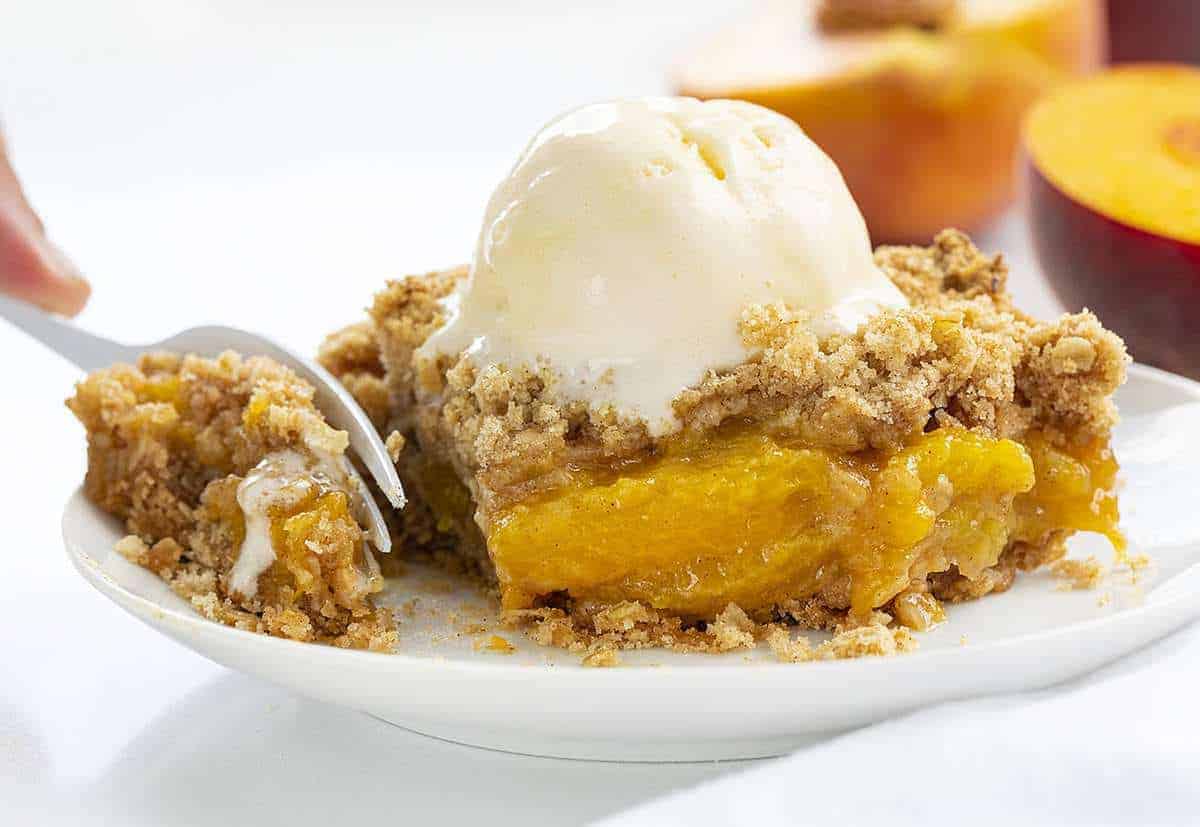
91 352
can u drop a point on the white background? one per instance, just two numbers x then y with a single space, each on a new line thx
268 164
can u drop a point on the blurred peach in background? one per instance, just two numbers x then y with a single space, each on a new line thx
918 101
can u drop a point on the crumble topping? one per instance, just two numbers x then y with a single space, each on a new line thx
877 640
961 352
1078 574
1133 563
403 316
352 355
1090 573
395 443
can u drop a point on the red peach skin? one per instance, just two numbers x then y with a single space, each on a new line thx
1146 287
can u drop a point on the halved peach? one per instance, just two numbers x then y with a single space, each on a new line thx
1113 189
922 119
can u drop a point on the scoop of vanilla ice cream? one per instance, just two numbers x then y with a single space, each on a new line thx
624 245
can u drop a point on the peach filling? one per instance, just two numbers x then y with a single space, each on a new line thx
755 519
321 520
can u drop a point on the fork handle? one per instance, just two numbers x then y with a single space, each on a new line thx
86 350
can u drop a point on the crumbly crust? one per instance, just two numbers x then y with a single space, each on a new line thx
403 315
1078 574
951 587
599 633
168 443
352 355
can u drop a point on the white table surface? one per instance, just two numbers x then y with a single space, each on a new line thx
267 164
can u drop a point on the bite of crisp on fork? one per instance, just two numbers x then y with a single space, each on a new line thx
236 491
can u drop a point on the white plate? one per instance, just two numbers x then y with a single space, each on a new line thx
666 706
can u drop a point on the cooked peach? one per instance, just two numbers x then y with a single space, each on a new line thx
923 119
754 519
1113 172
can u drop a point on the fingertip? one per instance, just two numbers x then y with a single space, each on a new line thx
34 270
71 295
